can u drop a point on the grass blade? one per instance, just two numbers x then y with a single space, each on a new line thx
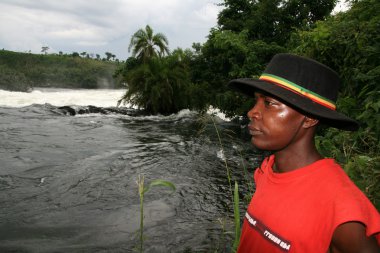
237 217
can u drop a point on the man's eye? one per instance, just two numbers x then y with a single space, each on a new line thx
268 102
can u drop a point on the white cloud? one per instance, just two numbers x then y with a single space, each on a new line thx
208 12
102 25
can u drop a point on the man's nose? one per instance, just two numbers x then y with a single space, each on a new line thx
255 112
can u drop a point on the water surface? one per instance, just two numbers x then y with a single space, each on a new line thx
68 180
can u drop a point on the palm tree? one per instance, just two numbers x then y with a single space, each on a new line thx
158 86
108 55
146 45
44 49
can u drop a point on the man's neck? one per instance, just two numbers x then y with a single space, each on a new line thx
290 160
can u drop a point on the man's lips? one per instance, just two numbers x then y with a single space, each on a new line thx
254 130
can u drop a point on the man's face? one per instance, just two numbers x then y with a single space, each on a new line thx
273 125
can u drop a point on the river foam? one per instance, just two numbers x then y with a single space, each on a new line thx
62 97
80 97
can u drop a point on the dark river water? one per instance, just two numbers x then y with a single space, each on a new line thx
68 180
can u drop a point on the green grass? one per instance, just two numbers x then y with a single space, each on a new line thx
142 191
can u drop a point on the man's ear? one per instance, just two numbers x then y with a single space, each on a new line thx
310 122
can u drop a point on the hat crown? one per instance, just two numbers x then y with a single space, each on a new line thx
305 73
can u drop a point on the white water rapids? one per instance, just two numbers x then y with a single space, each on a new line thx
67 181
61 97
72 97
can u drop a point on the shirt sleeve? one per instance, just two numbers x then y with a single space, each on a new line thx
351 205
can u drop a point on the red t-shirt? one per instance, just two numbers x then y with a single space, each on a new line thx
298 211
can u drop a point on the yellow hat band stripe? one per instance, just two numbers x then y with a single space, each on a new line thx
299 90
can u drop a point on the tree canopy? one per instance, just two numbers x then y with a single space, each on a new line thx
272 20
23 71
158 85
145 44
156 82
350 43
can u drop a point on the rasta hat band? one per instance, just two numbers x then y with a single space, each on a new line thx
302 83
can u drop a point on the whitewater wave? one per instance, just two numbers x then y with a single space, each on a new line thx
62 97
89 102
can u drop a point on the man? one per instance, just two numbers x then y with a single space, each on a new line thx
303 202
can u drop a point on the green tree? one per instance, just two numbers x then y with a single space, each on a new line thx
272 20
44 49
234 14
227 55
145 44
13 80
158 86
249 33
108 55
19 71
155 82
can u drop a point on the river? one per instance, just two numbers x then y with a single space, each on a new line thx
69 165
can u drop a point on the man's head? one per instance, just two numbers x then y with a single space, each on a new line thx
275 126
302 83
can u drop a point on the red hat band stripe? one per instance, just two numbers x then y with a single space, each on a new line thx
298 90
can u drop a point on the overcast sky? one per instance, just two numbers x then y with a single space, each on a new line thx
101 26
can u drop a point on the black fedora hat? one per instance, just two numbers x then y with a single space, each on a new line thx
302 83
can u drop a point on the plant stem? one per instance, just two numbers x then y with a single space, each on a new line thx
235 194
140 184
225 160
237 217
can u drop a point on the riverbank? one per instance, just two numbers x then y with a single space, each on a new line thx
23 71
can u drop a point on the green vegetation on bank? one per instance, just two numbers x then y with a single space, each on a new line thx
22 71
350 44
156 80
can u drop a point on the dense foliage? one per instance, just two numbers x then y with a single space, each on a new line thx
272 20
249 33
350 44
157 85
13 80
21 71
156 80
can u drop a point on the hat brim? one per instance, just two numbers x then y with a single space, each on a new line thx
327 116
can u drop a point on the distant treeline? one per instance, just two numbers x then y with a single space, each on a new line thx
23 71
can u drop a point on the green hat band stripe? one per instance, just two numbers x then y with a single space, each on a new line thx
298 89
